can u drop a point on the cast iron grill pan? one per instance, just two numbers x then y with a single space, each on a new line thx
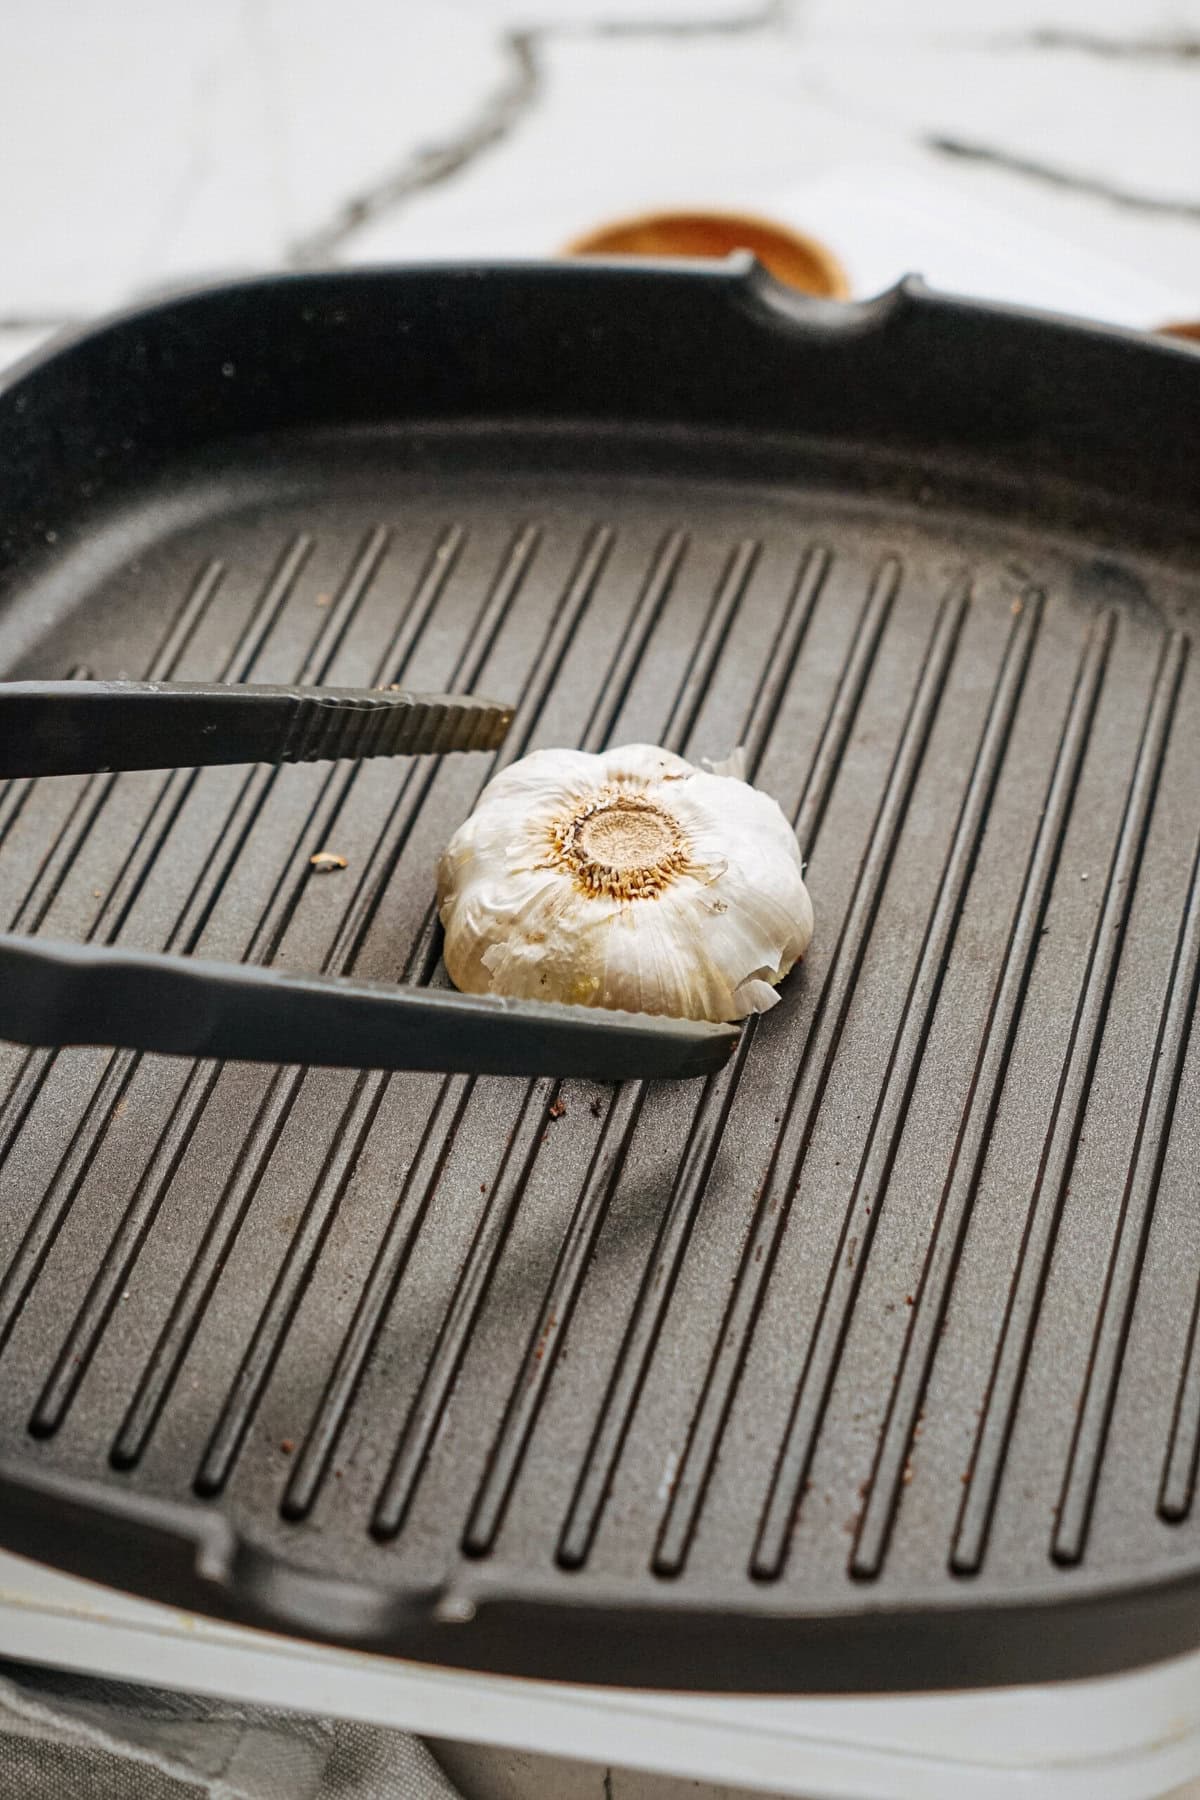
870 1364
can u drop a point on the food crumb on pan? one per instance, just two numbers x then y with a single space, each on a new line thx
327 862
558 1109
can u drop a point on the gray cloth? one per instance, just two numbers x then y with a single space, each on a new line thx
69 1737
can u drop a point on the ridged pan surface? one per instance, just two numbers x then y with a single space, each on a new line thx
873 1362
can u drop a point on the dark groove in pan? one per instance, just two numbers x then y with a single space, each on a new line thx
162 1368
122 1066
1066 1122
1177 1491
77 1349
152 838
290 1282
95 792
509 1187
316 1451
824 1034
883 1140
554 1315
658 1282
882 1494
1129 1242
426 1409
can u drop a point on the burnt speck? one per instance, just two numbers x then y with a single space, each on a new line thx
558 1109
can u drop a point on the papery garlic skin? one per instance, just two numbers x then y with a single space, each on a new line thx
629 879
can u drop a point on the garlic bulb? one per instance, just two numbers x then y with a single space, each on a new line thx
630 880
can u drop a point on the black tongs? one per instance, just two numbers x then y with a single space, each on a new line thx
54 994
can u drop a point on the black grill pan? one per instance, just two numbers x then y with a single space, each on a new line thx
872 1364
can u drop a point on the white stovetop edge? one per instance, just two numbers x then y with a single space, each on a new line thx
1128 1737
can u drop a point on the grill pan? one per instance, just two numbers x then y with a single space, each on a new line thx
872 1362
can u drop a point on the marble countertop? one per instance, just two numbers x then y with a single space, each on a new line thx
1046 151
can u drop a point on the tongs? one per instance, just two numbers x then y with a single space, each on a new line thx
55 994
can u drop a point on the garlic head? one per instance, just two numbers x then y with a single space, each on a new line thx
629 879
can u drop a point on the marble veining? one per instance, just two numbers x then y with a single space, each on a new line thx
1048 150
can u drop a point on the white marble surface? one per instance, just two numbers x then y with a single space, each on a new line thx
1042 150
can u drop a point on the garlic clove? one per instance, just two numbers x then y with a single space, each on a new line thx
756 995
734 764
